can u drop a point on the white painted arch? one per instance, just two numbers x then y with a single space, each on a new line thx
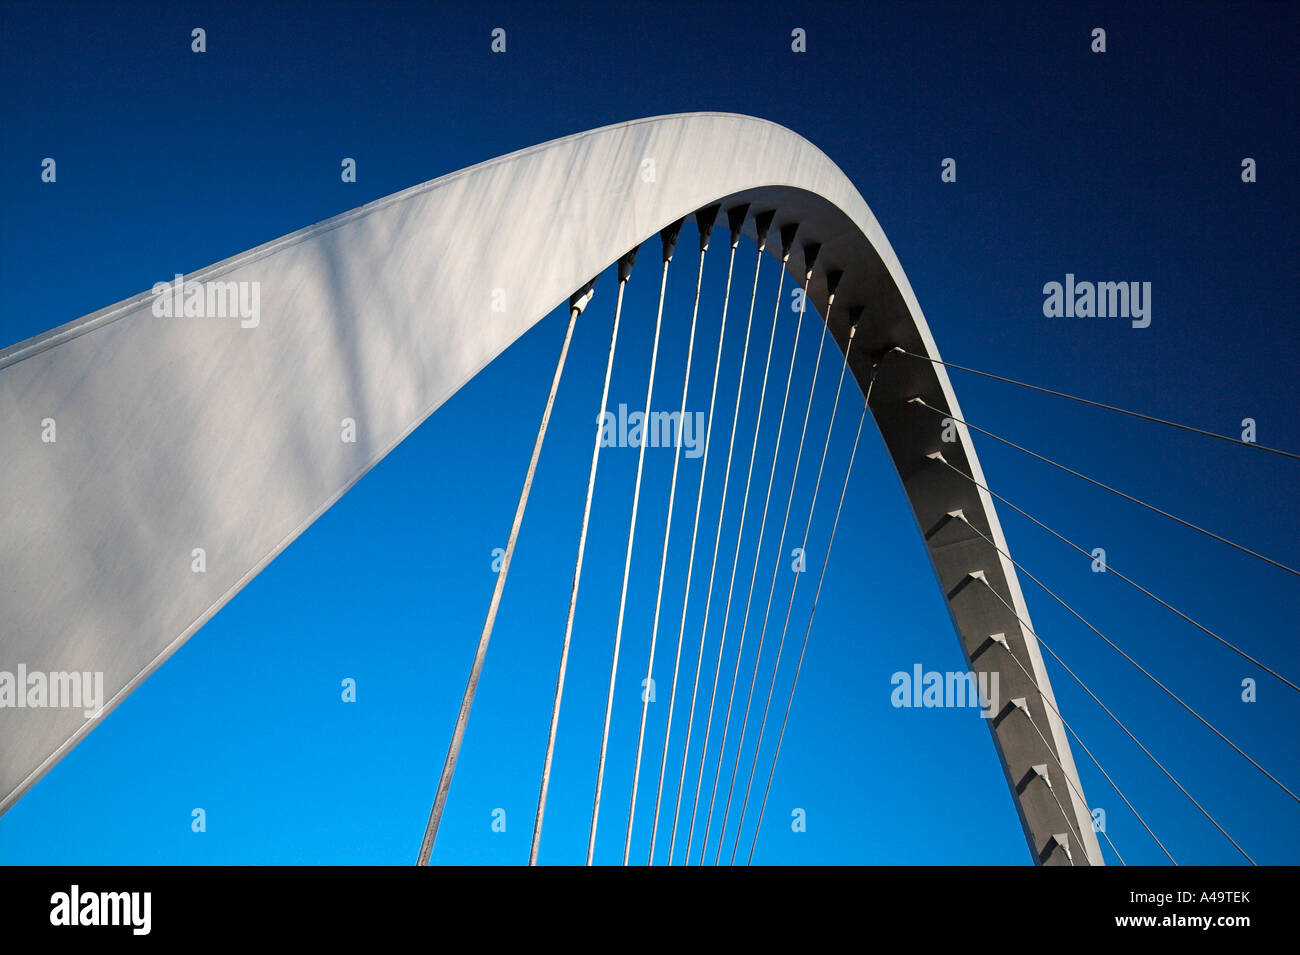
174 431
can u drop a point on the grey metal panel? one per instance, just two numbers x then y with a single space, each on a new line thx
179 433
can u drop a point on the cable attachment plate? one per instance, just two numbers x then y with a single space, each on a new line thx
669 238
579 299
832 283
762 226
736 216
787 239
704 219
626 262
810 253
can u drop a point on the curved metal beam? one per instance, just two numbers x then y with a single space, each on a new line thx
181 433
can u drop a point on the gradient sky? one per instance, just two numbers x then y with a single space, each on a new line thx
1121 166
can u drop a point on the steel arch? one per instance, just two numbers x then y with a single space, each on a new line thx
177 433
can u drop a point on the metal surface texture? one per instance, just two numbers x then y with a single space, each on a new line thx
181 433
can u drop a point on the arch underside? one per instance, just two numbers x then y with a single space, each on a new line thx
179 433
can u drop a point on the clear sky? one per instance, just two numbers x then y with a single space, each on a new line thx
1117 166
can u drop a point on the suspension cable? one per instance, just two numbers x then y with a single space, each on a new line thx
1098 404
624 271
803 547
848 472
744 505
762 223
1107 487
787 241
832 281
1174 696
1117 720
576 304
1084 746
669 237
1111 570
1057 799
736 217
1068 781
704 219
1051 790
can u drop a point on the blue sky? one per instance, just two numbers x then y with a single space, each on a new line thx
1120 166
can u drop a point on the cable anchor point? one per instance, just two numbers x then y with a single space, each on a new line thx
579 299
787 240
762 227
736 216
626 262
669 238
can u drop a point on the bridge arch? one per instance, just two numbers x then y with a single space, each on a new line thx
173 430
